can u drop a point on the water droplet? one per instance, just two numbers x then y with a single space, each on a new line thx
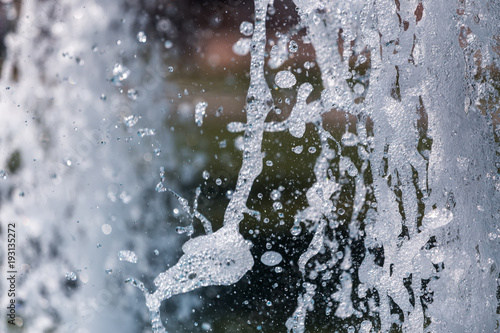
180 230
218 181
311 150
359 88
349 139
296 230
170 69
242 46
142 132
108 271
269 303
340 211
275 195
437 218
285 79
3 174
271 258
205 175
160 187
293 47
277 205
141 37
199 113
131 120
71 276
298 149
156 252
278 269
168 44
269 163
98 245
120 73
129 256
157 151
246 28
103 97
132 94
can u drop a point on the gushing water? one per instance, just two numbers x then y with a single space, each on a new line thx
401 212
407 71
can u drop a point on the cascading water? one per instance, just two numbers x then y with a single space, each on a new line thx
401 212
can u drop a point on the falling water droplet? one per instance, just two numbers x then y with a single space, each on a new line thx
142 132
160 187
141 37
275 195
349 139
246 28
285 79
242 46
131 120
199 113
129 256
120 73
168 44
277 205
296 230
298 149
132 94
271 258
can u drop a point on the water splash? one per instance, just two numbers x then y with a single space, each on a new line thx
399 228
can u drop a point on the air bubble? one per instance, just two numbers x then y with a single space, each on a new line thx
71 276
293 47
